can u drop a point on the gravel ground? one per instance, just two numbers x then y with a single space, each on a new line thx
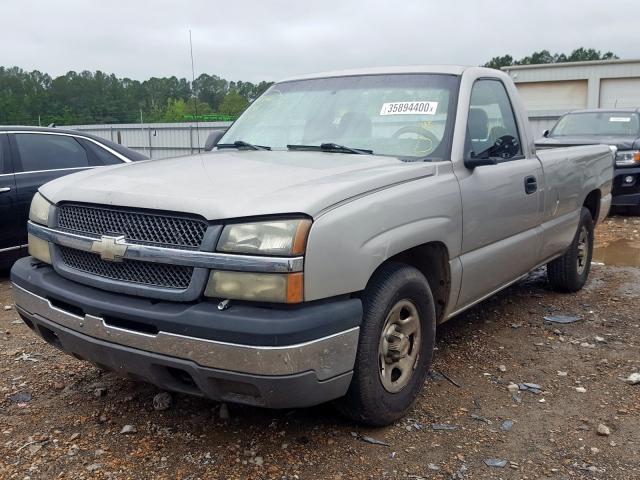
62 418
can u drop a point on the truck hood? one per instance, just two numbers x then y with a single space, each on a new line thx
622 143
230 184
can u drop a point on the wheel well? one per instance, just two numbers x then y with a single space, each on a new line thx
592 202
432 259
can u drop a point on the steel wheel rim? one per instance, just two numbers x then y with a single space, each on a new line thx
399 347
583 250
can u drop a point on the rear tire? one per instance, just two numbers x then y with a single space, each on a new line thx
569 272
395 347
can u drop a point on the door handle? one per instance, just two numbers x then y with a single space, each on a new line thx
4 189
530 184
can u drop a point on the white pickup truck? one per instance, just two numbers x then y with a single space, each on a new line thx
311 255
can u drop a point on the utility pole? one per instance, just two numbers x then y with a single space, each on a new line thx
194 93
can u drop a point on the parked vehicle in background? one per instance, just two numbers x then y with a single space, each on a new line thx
619 128
312 254
29 158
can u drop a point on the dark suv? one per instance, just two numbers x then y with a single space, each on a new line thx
619 128
29 158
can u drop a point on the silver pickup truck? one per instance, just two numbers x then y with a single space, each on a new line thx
311 255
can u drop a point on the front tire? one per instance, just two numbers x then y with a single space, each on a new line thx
569 272
395 346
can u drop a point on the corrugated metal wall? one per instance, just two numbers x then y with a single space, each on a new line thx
157 140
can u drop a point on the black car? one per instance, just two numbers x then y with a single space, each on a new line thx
29 158
619 128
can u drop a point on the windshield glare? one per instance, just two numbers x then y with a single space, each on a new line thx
407 115
598 123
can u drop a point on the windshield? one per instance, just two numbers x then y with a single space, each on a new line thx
408 116
619 124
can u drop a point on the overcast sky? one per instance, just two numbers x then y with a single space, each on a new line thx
271 39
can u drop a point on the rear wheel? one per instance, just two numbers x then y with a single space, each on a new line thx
569 272
395 346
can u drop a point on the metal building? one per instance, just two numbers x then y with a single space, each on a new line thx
550 90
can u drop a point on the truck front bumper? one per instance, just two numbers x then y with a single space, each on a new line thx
626 187
133 337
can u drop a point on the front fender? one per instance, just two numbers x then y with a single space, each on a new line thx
348 243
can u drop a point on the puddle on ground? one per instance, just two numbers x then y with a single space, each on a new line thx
621 253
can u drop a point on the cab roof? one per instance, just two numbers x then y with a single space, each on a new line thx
438 69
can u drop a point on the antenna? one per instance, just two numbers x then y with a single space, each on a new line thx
195 95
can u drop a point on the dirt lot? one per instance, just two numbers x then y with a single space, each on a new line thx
61 418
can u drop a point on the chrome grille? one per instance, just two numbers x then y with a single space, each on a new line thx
180 232
133 271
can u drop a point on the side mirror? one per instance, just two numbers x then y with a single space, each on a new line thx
504 148
213 139
545 133
474 161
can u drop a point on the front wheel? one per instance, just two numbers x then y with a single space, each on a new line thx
569 272
395 346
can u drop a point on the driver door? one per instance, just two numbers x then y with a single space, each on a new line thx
501 202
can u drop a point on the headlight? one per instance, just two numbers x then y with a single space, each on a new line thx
277 237
628 158
259 287
39 248
39 211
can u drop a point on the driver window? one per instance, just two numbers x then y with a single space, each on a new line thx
491 123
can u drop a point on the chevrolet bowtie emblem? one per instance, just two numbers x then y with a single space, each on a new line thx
111 249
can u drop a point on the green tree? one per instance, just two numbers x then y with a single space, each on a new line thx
544 56
178 110
586 54
30 98
175 111
211 89
537 58
233 103
499 62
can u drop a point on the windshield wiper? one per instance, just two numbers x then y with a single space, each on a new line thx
331 147
242 144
